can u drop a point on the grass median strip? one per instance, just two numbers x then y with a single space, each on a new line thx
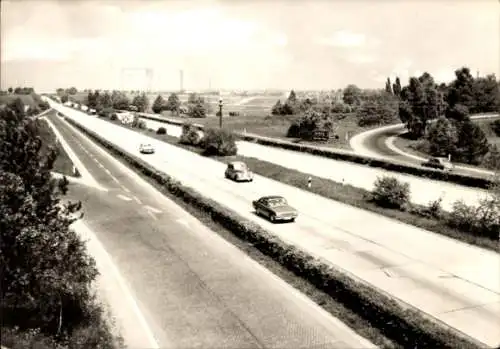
371 313
346 194
63 163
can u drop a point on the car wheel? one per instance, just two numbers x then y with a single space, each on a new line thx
273 218
292 220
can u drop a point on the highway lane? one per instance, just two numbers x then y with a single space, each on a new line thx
423 190
195 289
423 269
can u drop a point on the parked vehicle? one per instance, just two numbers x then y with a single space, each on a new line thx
238 171
438 163
275 208
146 148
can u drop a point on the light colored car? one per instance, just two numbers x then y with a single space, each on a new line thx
238 171
275 208
438 163
146 148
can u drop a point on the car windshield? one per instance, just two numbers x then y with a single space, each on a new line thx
238 166
275 202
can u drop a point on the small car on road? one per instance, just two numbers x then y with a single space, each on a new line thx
238 171
439 164
146 148
275 208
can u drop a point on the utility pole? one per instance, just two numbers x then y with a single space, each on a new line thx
181 76
220 111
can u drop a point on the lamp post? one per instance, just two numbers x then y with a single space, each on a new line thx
220 112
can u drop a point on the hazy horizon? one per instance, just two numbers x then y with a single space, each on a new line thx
243 45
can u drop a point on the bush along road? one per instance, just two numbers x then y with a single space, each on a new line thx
403 324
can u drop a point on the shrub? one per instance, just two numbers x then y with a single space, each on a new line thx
391 193
161 131
495 126
219 142
483 219
113 117
190 135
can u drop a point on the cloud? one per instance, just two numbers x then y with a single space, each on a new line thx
343 38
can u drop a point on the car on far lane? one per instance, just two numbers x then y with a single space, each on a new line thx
439 164
146 148
238 171
275 208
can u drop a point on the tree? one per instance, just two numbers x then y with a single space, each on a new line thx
458 113
46 271
106 101
420 103
352 95
64 98
277 108
396 87
219 142
18 90
486 94
119 101
388 86
292 97
442 137
378 110
461 90
141 102
173 103
158 105
10 90
197 109
72 90
472 143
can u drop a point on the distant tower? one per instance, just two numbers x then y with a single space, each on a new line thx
210 84
181 80
477 74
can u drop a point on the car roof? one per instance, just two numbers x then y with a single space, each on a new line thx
271 197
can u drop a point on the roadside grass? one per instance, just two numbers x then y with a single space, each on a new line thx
264 124
63 163
324 300
347 194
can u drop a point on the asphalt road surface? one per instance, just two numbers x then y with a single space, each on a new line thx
456 283
195 289
423 190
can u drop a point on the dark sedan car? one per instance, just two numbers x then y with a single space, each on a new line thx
275 208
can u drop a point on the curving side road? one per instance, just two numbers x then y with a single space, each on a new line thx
455 283
379 143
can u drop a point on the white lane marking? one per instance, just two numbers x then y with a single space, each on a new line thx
123 197
151 214
152 209
107 171
124 188
137 199
82 228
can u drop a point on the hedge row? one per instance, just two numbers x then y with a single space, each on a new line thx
403 324
469 181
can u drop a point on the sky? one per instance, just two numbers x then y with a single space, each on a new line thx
243 44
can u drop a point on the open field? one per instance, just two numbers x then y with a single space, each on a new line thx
347 194
63 163
412 146
277 126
